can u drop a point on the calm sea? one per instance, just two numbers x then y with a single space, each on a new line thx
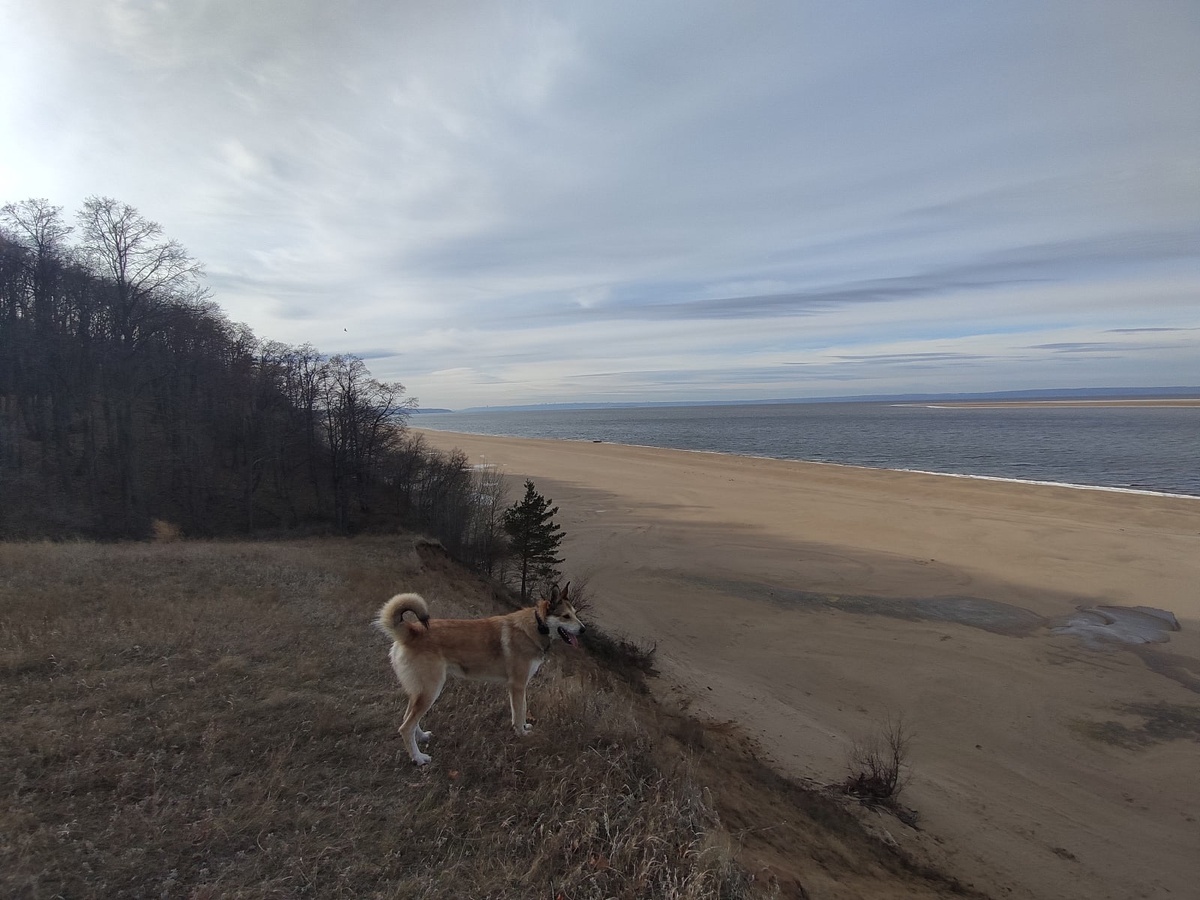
1132 448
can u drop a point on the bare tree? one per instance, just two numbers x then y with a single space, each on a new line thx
488 543
147 273
144 267
304 372
37 227
363 418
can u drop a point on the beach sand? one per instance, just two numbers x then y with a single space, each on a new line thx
809 602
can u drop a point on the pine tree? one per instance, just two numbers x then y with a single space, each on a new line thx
533 538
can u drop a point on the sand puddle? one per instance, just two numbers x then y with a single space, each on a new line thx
1141 629
1096 625
1120 624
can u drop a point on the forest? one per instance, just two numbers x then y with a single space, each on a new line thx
131 405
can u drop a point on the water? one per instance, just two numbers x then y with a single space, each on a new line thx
1147 448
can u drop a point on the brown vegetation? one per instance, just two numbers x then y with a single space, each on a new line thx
190 719
880 768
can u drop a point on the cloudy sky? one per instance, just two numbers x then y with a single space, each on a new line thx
512 202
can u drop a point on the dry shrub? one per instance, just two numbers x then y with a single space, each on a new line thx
164 532
879 766
623 656
616 652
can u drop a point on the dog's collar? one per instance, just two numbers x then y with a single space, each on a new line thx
543 628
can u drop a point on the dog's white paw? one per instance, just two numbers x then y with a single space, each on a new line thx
525 729
422 759
424 736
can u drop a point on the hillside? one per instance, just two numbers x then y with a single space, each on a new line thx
204 719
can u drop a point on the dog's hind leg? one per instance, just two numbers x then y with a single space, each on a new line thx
409 729
418 704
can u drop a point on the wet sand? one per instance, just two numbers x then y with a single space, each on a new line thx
810 602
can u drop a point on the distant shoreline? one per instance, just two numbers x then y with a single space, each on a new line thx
1115 443
1072 485
1033 404
1110 396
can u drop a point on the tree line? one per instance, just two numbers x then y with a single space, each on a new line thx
128 397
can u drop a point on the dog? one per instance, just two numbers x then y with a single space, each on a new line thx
509 649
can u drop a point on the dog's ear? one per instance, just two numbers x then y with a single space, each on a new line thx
557 597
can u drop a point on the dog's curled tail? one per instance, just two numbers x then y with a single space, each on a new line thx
390 619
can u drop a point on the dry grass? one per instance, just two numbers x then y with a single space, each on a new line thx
205 720
217 720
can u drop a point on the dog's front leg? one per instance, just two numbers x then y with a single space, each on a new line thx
516 699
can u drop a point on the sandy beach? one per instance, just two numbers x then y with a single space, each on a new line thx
810 602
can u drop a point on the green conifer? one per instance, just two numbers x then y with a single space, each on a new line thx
533 539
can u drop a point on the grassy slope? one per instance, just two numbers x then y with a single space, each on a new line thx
218 720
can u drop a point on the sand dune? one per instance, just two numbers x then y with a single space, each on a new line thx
808 602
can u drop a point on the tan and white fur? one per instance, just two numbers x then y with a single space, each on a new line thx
508 649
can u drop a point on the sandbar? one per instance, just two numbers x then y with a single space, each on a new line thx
808 603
